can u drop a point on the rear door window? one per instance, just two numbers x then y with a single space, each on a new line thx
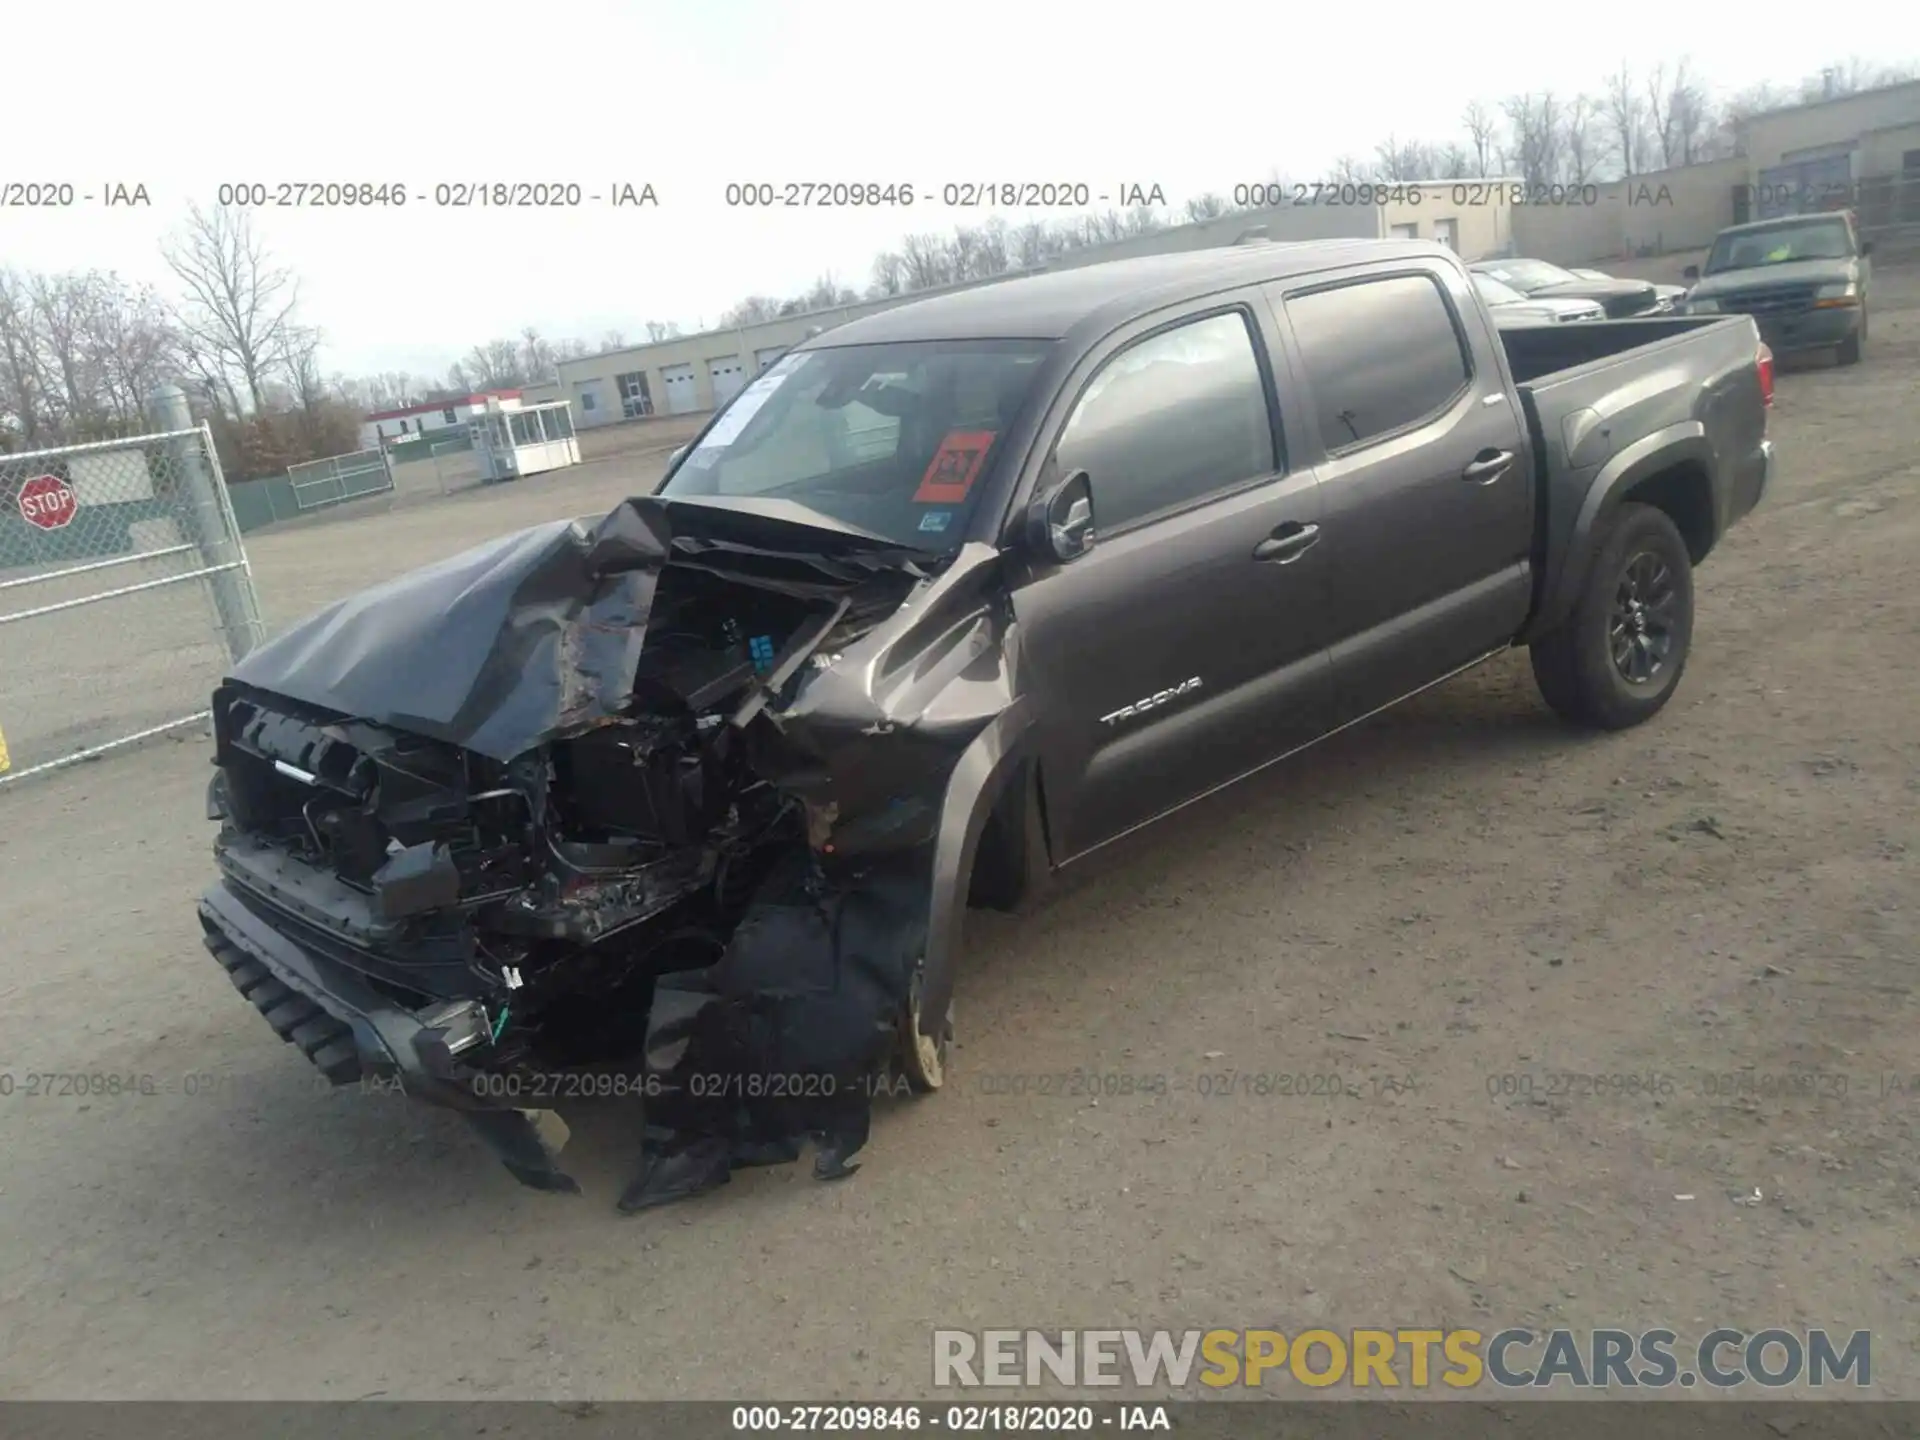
1380 356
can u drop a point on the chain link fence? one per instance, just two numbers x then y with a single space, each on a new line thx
455 465
125 593
317 484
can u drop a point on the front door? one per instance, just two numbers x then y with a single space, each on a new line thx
1187 646
1424 470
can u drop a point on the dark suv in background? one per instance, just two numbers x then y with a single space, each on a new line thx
1803 279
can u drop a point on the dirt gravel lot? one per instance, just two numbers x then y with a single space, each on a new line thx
1459 900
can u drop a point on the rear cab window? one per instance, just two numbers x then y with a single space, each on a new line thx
1380 355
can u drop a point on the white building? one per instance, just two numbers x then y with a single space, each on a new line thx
410 422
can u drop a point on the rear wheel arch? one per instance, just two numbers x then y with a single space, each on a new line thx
1683 491
1669 471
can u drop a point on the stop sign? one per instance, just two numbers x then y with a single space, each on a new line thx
47 501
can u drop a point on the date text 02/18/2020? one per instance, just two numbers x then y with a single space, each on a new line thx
1461 194
952 194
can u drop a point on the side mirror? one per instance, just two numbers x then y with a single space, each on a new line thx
1060 525
674 458
1692 272
1866 248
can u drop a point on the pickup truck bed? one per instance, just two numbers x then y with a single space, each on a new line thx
1681 388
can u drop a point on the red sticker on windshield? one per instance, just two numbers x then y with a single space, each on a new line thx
956 465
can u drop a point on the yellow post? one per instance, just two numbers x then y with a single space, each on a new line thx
5 763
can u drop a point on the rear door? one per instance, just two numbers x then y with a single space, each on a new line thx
1424 470
1188 646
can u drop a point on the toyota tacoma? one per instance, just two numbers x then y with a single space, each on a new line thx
686 802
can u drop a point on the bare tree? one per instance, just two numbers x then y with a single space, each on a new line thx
1453 162
926 262
963 249
238 301
1537 125
1483 134
658 330
62 305
1211 206
536 357
1031 244
137 350
494 365
1349 171
996 247
889 274
21 405
1626 117
1689 119
754 310
1582 139
299 360
1401 161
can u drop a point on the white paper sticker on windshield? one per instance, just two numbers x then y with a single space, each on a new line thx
728 427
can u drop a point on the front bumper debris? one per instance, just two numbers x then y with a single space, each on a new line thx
351 1032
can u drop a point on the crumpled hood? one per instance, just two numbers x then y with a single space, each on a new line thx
514 642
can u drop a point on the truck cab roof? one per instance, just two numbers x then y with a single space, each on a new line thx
1056 304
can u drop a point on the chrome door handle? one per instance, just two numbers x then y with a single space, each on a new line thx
1287 544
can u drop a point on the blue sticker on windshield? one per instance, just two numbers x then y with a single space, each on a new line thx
936 520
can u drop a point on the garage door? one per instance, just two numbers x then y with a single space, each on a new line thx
728 376
677 381
763 358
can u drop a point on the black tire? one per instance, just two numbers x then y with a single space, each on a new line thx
1848 351
1587 668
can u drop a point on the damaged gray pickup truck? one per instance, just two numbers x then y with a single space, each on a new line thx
687 803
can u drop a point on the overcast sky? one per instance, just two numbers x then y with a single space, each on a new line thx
689 96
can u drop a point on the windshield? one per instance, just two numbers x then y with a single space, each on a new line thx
892 439
1527 276
1822 239
1495 293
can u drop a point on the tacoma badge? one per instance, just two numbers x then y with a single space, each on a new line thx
1152 702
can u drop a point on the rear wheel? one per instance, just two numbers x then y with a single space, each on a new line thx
1617 659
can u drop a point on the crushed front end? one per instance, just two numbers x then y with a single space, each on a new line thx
572 848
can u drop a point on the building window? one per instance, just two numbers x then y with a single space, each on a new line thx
636 399
588 401
403 427
1910 163
450 415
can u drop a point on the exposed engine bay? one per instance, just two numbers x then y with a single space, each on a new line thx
606 833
